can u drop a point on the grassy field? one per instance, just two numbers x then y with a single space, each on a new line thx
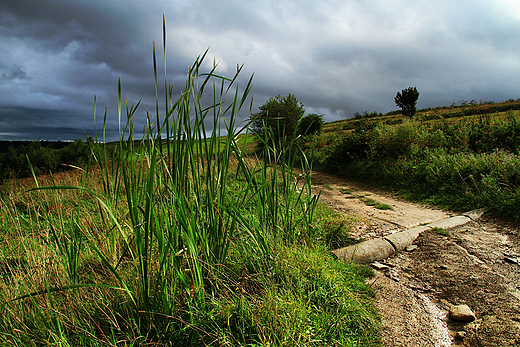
69 278
199 242
179 239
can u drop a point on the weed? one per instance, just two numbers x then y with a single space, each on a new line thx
441 231
335 232
378 205
370 202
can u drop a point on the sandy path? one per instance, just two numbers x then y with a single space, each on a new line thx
477 265
350 198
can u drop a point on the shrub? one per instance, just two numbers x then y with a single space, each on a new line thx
346 150
278 117
458 165
77 153
44 157
311 124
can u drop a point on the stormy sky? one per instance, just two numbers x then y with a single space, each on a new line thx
336 57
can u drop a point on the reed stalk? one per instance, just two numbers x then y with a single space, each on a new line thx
181 216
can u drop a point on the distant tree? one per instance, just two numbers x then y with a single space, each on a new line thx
43 159
77 153
406 100
310 124
278 117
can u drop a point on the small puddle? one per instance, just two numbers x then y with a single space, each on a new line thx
441 335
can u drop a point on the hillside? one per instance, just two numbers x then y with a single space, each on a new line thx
465 110
459 157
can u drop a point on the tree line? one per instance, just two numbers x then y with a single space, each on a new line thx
44 157
279 117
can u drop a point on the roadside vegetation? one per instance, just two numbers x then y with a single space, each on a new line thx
179 239
460 157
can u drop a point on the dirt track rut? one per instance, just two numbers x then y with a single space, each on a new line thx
478 264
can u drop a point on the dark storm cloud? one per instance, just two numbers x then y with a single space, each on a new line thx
69 51
337 57
22 123
52 25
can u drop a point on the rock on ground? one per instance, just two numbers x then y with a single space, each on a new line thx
462 313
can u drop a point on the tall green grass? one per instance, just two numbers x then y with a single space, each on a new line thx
177 237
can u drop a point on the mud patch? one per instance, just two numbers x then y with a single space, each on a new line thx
408 318
457 276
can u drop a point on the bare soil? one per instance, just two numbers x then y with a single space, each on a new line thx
478 264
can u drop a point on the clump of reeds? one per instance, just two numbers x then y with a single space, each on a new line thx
142 251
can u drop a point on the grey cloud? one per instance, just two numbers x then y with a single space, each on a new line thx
16 72
104 33
30 123
337 57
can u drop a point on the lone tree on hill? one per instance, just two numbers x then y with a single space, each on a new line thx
406 100
278 117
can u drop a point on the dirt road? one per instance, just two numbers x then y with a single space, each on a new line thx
477 264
